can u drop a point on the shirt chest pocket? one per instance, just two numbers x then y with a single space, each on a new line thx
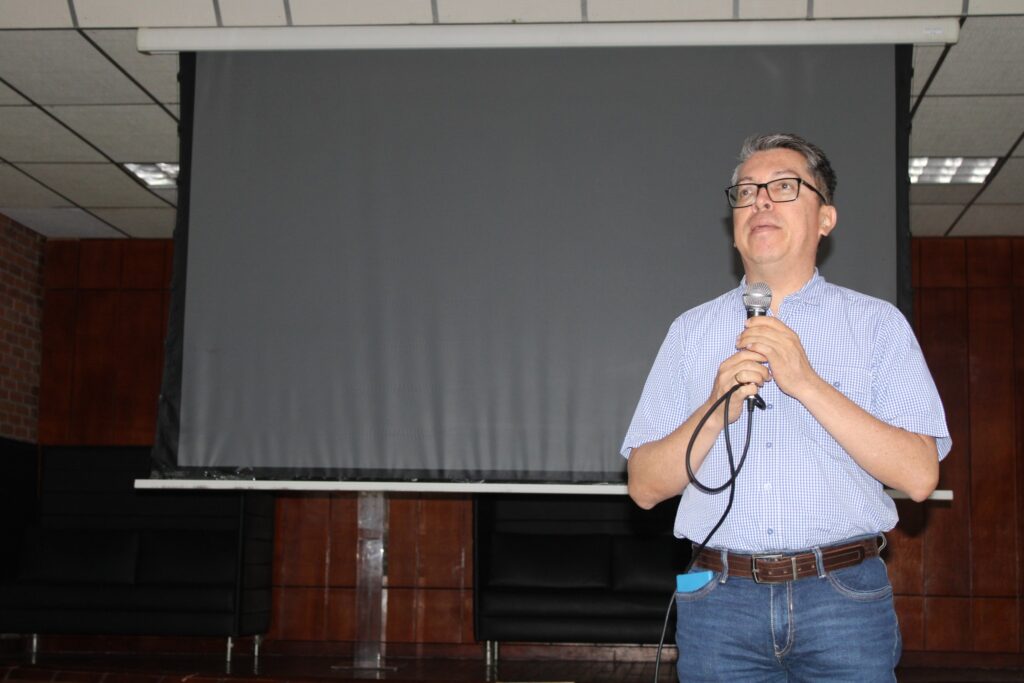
853 382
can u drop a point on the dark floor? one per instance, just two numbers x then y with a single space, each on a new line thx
114 668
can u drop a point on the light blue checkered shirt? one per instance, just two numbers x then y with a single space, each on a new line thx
798 488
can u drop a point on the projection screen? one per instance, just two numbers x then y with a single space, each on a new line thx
458 265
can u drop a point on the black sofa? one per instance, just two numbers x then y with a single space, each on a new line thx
573 568
103 558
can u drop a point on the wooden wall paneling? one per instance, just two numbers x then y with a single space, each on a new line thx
430 541
947 624
298 613
1018 373
943 262
994 625
301 540
990 263
341 568
993 448
433 615
144 265
95 367
100 263
910 612
60 264
57 365
446 533
341 614
944 341
403 554
138 341
1017 252
904 555
915 263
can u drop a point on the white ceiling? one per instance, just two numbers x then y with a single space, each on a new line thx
77 98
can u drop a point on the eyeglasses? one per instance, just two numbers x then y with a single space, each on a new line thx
779 190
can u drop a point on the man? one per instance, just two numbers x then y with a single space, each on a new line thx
850 408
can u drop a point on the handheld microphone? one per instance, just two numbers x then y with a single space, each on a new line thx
757 299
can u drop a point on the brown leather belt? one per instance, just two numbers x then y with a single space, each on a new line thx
780 568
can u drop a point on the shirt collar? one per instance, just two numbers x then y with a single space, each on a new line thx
810 293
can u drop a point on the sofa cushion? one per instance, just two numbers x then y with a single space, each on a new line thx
79 556
647 563
549 561
187 557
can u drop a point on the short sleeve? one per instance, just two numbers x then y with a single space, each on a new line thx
662 403
903 391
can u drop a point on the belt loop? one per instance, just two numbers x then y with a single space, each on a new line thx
725 566
819 561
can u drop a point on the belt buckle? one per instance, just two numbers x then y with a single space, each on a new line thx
777 556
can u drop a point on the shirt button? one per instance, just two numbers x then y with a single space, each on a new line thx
768 445
771 531
836 384
770 406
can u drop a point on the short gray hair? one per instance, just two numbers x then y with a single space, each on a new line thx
817 163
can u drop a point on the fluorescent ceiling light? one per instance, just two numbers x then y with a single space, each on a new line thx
950 170
621 34
158 175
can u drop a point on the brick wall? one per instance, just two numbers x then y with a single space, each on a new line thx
21 312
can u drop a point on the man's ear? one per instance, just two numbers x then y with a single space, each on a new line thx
828 217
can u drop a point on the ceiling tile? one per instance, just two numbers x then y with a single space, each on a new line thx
1005 188
658 10
986 60
93 185
125 132
35 14
886 8
146 223
942 194
253 13
28 134
966 126
925 57
507 11
930 220
8 96
170 195
995 7
65 223
773 9
319 12
158 74
991 219
61 67
18 190
149 13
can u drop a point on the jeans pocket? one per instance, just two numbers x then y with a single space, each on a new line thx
702 592
866 582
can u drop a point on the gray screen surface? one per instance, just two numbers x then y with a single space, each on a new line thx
460 264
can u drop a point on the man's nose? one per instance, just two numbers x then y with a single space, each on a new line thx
759 203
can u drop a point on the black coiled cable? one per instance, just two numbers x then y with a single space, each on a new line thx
730 483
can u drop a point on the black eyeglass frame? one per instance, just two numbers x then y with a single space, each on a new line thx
800 182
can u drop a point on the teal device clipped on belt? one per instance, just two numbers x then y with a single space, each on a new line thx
687 583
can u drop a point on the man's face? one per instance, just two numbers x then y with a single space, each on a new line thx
780 235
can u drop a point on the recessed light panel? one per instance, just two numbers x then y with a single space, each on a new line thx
946 170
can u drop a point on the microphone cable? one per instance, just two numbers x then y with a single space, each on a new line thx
754 401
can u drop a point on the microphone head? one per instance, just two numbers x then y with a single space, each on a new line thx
757 298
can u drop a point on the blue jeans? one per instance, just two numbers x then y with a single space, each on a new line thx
840 627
